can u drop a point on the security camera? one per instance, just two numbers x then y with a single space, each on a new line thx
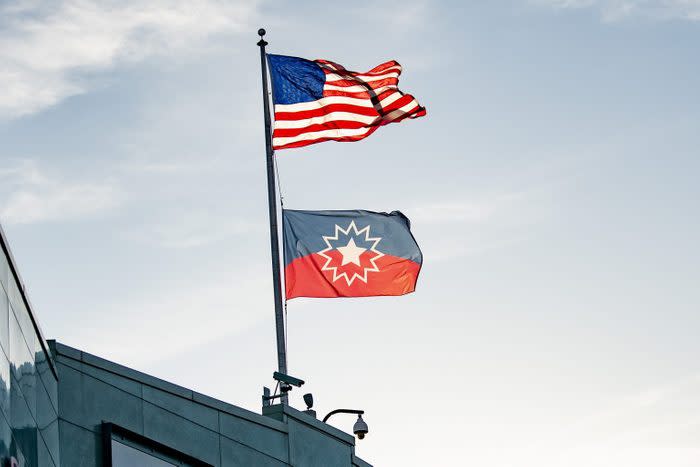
309 400
360 427
282 378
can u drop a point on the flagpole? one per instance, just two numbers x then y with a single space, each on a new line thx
274 231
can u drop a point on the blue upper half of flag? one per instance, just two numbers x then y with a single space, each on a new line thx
295 80
307 232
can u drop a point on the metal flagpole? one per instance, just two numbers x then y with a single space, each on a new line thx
274 233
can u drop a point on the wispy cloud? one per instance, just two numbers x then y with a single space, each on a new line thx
473 210
614 10
46 47
402 15
195 314
29 195
471 226
189 229
655 426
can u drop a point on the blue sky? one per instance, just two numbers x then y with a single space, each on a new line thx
552 188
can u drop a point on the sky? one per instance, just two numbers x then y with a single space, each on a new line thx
553 189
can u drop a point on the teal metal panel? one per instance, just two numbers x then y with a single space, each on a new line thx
125 384
310 448
44 457
4 321
64 350
173 430
87 401
50 436
283 412
197 413
24 428
5 386
26 326
28 386
80 447
70 404
14 294
51 385
235 411
47 421
258 437
4 270
5 437
21 360
45 376
235 455
134 375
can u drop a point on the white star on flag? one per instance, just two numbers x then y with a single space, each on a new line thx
351 253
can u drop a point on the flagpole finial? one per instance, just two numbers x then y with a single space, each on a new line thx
261 33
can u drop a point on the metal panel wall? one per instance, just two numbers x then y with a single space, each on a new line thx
93 391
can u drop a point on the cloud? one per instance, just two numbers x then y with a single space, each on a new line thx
31 196
472 211
481 223
615 10
48 48
402 15
193 228
181 318
655 426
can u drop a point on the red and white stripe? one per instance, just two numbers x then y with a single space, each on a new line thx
353 106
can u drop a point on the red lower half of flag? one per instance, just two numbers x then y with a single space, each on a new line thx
311 276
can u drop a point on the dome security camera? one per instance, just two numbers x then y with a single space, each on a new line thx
360 427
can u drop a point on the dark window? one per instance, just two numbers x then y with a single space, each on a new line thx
124 448
126 456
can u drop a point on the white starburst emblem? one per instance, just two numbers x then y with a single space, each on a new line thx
351 254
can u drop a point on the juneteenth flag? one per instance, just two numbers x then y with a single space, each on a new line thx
349 254
320 100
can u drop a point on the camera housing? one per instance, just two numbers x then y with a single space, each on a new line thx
282 378
360 428
309 400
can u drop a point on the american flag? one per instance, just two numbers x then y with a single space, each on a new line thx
319 100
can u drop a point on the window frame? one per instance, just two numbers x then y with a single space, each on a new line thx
110 429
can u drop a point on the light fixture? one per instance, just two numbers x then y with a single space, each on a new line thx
360 428
309 401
